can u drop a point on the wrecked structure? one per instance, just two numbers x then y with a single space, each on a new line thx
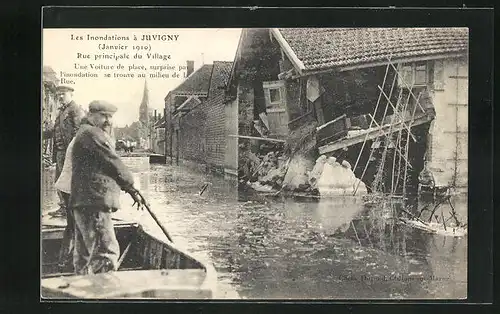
381 101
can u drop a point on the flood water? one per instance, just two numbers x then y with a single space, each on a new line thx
281 248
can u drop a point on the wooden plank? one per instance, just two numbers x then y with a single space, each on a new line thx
300 117
372 134
307 118
331 122
258 138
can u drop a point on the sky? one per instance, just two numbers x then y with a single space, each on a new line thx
203 46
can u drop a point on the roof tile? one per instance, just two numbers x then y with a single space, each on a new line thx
197 82
323 48
221 73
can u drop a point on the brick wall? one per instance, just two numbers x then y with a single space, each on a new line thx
192 141
215 131
203 128
202 131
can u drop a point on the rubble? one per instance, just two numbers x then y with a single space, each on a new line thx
297 178
299 174
315 174
338 179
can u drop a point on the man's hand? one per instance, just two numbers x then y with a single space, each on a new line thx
138 199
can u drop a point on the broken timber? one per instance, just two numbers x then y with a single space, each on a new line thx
259 138
371 134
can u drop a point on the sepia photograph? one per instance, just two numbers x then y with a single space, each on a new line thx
254 163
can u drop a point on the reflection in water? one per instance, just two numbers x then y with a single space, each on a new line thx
288 248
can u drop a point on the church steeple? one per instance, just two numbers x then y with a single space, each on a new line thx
144 108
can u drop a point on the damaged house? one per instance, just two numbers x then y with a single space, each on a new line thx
383 101
195 121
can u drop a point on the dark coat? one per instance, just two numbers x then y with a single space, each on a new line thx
66 124
98 172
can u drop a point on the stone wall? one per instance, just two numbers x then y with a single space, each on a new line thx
448 138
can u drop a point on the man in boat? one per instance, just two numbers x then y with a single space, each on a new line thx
97 178
64 129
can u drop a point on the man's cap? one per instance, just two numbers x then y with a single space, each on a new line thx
102 106
63 88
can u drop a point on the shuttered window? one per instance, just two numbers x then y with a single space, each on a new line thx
415 74
274 93
275 98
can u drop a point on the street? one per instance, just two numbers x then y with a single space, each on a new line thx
267 248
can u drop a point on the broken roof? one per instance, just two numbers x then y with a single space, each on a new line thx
317 49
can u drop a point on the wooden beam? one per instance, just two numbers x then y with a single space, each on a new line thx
288 50
370 135
258 138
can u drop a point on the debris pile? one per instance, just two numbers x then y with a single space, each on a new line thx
337 178
297 175
266 172
272 172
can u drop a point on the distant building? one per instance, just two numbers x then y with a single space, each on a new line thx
49 103
195 121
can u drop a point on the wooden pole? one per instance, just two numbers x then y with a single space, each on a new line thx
408 145
374 114
397 112
400 147
407 86
372 150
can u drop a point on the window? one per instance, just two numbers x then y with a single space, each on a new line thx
417 76
274 94
414 74
406 75
420 74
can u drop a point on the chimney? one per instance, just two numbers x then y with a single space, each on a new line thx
190 67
